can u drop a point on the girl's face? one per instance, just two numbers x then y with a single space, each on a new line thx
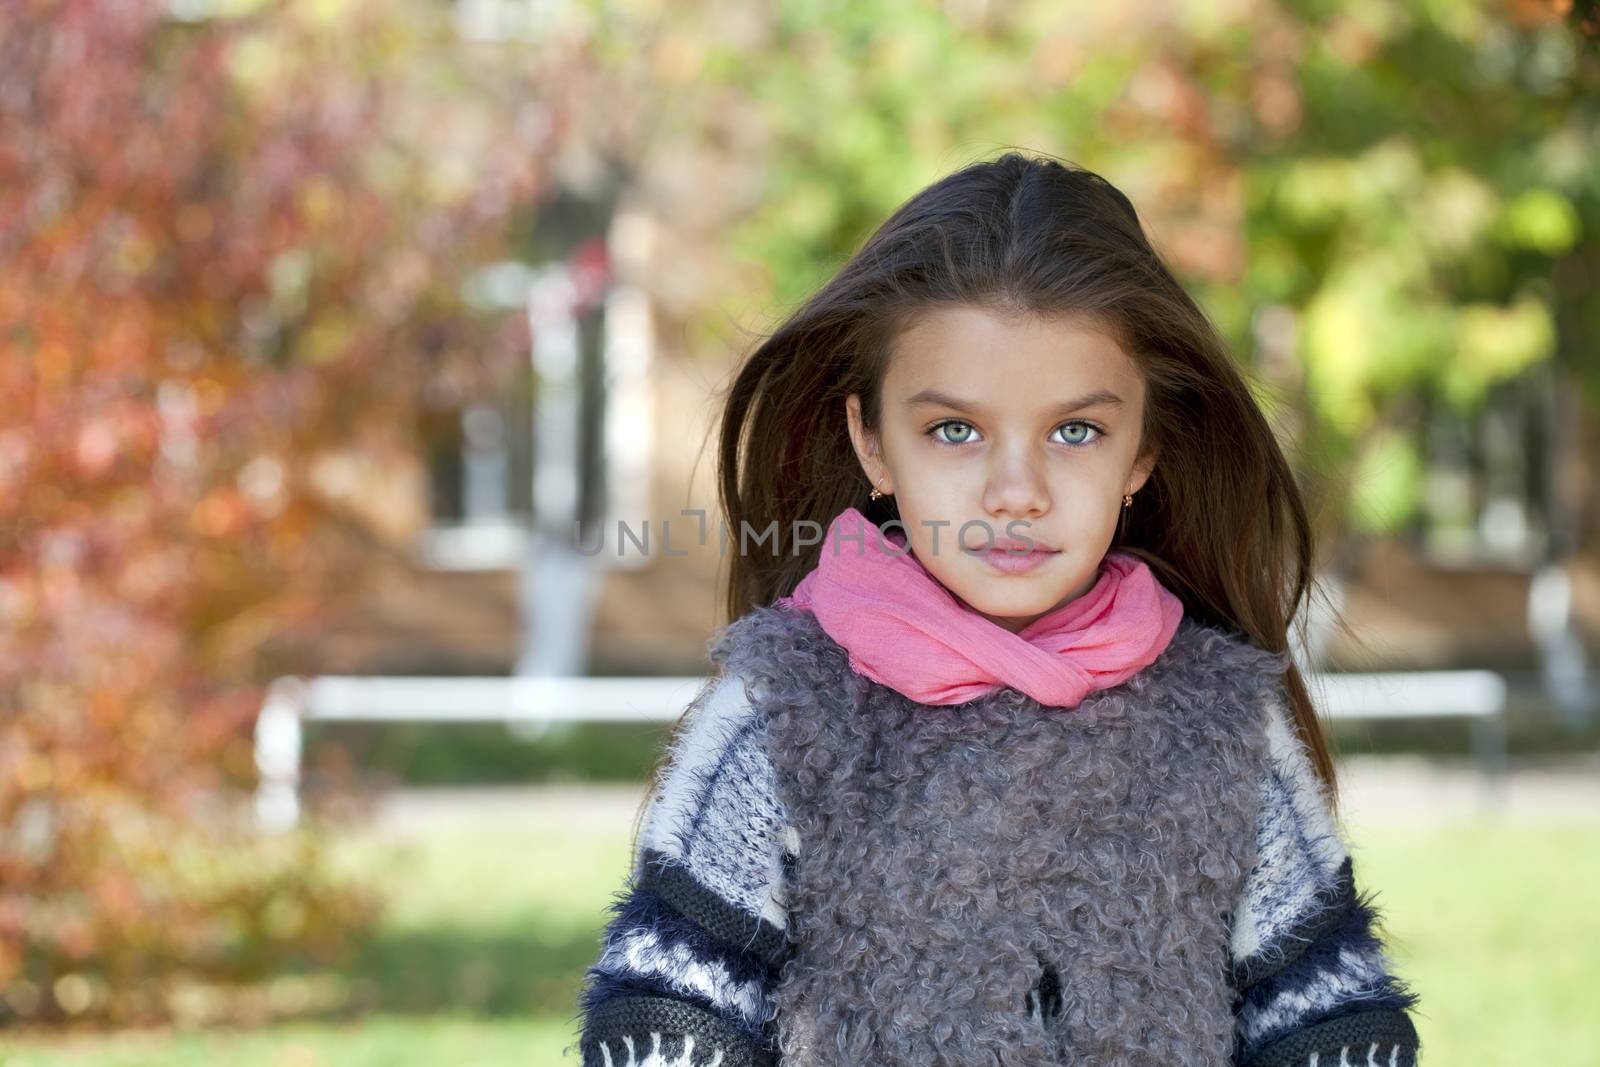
1023 428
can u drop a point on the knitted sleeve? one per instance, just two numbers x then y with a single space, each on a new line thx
1313 984
691 953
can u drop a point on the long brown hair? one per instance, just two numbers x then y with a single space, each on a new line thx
1221 520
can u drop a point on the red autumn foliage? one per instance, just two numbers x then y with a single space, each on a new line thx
231 255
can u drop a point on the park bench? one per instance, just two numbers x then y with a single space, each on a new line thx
1477 695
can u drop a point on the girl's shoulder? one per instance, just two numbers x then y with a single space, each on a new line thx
1221 668
1220 647
716 808
776 650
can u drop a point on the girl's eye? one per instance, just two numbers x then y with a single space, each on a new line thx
963 432
960 438
1084 426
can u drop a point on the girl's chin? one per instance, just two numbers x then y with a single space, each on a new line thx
1020 609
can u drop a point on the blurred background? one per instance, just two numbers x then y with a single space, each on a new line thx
323 322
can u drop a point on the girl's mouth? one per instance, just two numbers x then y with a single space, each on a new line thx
1016 562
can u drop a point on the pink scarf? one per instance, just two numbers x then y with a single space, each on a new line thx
904 629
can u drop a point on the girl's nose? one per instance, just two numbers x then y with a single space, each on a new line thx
1016 490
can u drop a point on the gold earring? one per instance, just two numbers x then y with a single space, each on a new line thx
1127 500
875 494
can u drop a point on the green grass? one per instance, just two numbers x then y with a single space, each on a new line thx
478 961
480 955
387 1040
1495 927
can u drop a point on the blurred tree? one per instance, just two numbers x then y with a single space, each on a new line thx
1386 207
231 250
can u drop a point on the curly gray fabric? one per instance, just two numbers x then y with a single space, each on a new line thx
949 855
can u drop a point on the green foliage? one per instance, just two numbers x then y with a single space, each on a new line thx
484 753
1387 483
1404 178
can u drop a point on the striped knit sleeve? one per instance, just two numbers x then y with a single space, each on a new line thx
698 933
1313 985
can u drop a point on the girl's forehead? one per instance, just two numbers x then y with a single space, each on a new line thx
983 352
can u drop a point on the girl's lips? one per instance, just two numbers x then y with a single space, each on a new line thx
1015 562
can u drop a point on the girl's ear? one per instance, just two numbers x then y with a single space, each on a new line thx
866 446
1142 468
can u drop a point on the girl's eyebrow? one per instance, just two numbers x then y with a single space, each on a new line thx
934 396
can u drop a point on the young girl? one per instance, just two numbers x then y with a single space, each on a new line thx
1005 760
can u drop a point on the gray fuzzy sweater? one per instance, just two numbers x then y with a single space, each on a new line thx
832 874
